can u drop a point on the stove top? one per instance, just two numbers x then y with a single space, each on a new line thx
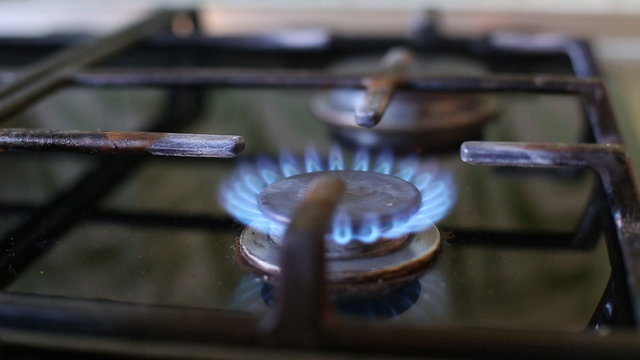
256 196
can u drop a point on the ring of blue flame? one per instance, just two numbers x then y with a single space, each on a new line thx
239 193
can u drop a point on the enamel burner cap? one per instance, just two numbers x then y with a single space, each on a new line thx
366 194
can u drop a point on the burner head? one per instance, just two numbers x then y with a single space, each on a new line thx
414 120
253 193
366 194
369 199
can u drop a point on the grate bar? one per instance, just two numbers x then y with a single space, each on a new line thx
599 110
609 161
117 142
41 78
583 238
302 301
201 76
147 326
99 317
381 87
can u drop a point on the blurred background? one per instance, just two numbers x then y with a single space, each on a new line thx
613 26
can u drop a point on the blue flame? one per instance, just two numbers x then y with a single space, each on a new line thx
370 230
341 229
384 162
361 162
268 170
335 159
312 160
240 192
407 168
289 164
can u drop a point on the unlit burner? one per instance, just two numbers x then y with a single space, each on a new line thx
414 120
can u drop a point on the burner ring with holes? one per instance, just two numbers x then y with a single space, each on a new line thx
402 264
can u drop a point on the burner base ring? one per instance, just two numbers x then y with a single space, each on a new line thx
405 263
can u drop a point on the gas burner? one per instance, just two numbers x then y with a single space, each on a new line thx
413 121
382 227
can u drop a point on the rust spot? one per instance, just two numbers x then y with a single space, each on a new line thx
382 81
127 141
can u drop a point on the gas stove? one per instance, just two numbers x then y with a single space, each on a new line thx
313 194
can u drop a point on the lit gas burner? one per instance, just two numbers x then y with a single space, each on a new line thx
383 227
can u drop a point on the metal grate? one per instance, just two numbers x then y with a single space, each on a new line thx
302 319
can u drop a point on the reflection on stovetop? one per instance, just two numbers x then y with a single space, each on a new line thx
382 306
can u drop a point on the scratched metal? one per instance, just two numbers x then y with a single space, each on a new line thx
382 86
114 142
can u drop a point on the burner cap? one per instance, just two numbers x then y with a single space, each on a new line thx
366 194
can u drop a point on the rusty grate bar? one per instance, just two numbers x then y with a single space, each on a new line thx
382 86
203 76
118 142
302 301
599 111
